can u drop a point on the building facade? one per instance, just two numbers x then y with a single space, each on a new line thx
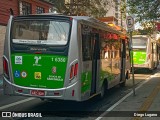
19 7
22 7
119 14
110 7
113 12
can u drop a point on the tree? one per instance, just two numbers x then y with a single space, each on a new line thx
94 8
59 6
123 9
146 12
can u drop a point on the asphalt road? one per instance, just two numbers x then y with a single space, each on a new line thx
67 110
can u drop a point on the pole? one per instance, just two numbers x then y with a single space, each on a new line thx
132 64
121 22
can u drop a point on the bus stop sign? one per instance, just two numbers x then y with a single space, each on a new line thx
130 23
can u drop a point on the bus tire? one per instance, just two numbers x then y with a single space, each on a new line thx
123 84
127 75
102 93
103 89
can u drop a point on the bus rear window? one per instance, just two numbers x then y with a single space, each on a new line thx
138 41
40 32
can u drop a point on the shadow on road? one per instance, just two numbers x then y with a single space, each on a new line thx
91 108
143 71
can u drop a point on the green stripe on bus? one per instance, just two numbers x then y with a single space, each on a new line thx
86 81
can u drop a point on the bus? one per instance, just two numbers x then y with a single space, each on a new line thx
145 52
62 57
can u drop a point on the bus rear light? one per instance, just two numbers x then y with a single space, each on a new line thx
5 67
148 56
71 72
75 69
72 92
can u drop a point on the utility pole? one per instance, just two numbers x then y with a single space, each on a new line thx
130 27
132 64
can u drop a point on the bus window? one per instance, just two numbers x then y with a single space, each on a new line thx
40 32
87 47
139 41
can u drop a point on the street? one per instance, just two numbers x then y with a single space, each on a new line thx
90 109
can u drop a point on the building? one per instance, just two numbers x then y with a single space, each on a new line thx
114 13
111 8
76 7
19 7
109 20
22 7
119 14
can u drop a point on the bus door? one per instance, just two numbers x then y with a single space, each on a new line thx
96 56
123 60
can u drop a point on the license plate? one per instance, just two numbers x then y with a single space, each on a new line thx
37 92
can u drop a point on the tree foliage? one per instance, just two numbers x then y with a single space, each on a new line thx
146 12
95 8
123 10
59 6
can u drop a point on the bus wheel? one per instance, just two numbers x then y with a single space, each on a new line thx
102 91
123 84
127 75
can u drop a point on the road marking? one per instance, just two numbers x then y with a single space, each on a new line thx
147 103
122 99
16 103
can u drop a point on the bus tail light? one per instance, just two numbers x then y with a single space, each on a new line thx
148 56
72 92
5 67
71 72
74 70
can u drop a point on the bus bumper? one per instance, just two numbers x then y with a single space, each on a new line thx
67 93
141 66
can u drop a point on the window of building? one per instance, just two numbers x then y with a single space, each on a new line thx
39 10
25 8
116 8
116 15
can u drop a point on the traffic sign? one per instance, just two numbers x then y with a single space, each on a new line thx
130 23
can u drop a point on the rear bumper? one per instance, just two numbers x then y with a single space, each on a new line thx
141 66
65 93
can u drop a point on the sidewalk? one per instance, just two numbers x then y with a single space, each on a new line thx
145 103
2 37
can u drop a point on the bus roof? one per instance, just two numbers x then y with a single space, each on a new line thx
82 18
